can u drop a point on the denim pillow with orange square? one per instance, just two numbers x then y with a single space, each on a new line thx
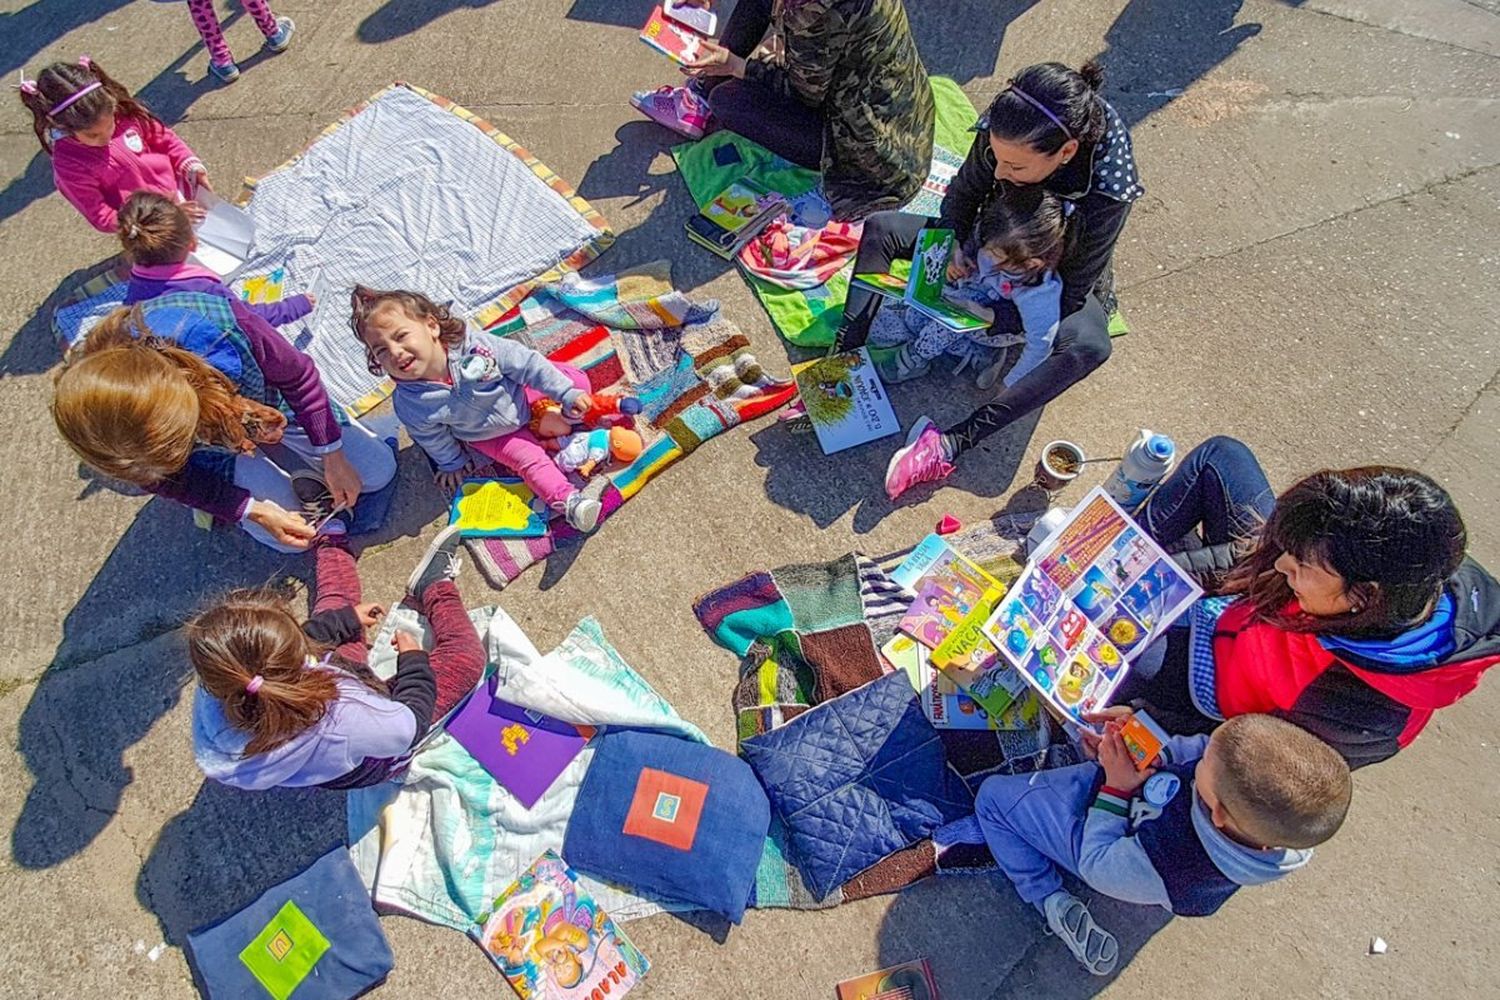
671 818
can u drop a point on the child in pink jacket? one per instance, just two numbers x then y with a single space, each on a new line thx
106 145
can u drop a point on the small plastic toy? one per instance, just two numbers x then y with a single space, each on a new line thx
948 525
605 406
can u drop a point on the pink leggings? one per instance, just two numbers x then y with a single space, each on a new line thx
457 656
207 23
521 452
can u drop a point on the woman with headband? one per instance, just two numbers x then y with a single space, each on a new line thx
1049 128
106 145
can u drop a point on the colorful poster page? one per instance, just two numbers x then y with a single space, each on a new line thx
1087 603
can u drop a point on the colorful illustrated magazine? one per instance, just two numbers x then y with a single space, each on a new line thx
970 659
1089 600
845 400
700 19
907 981
497 508
923 290
919 561
1143 738
672 38
733 218
523 750
945 704
946 593
551 941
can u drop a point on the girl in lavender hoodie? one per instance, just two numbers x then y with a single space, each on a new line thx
285 704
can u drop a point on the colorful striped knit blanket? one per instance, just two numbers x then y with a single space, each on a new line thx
632 332
808 633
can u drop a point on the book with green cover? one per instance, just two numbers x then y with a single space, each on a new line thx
923 288
971 660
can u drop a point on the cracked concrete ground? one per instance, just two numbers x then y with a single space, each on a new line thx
1312 270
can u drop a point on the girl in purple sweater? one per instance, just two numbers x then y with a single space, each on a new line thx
184 391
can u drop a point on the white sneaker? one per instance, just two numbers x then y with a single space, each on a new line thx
582 512
1093 946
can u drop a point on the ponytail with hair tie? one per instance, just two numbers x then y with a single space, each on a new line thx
252 686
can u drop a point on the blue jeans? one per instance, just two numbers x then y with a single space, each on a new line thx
1221 490
1033 824
1219 487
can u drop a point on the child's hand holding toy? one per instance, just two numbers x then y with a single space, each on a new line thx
1119 766
1088 739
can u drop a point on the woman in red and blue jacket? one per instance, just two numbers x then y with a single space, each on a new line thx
1352 611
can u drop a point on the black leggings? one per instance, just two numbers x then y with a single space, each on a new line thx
784 125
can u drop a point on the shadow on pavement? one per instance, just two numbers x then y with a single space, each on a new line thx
230 846
992 946
81 720
402 17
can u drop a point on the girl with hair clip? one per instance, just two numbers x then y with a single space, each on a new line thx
175 396
106 145
1049 129
158 240
1349 605
283 704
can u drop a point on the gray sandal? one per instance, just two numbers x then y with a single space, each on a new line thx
1093 946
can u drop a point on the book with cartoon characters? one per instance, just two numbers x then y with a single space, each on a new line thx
907 981
845 400
950 588
924 288
970 659
1094 595
551 941
734 216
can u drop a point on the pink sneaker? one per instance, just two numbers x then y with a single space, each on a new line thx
677 108
920 461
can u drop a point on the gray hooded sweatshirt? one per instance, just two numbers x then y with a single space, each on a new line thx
486 399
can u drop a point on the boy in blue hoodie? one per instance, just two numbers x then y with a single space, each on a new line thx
1241 807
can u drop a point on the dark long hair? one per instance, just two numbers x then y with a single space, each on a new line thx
60 81
1392 534
1071 95
1024 223
154 229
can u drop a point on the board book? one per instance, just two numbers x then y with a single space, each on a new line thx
734 216
907 981
671 37
1089 600
523 750
497 508
946 705
970 659
923 289
551 941
950 588
846 403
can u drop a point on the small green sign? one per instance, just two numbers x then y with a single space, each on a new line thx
285 951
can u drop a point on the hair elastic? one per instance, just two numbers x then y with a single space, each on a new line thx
253 685
1040 107
25 86
68 101
133 232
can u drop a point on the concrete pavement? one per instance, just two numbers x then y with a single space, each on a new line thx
1312 270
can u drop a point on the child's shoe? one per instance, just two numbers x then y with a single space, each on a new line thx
1093 946
903 366
440 562
317 503
582 512
226 73
283 37
680 109
923 459
990 374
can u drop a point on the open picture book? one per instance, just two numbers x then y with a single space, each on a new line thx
733 218
923 289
